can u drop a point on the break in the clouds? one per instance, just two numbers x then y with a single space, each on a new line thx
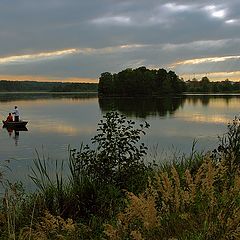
206 60
76 39
26 58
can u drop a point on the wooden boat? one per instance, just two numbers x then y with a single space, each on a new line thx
19 124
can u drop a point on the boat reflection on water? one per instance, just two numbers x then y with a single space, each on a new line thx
14 132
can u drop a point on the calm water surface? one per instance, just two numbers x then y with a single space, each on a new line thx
57 121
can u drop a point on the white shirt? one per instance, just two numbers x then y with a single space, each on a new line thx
16 112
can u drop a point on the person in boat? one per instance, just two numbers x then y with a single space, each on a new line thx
16 114
9 118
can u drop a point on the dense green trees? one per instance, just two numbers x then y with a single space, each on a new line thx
31 86
205 85
140 81
75 87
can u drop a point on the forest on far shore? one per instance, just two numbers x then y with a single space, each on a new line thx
129 83
33 86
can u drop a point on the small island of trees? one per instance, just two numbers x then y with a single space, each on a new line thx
140 81
145 82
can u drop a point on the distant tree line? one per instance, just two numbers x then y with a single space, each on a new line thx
205 85
75 87
140 81
31 86
129 82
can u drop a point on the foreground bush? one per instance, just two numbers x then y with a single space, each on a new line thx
117 157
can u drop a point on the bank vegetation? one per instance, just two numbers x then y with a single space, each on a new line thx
112 193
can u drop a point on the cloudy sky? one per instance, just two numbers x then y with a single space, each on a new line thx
77 40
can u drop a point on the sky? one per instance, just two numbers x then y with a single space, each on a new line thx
77 40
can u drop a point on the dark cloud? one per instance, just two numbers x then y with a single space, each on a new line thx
167 31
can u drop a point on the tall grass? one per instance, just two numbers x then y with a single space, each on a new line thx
202 205
51 184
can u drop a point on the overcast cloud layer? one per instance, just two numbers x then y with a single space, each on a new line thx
77 39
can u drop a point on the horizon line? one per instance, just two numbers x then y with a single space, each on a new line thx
29 78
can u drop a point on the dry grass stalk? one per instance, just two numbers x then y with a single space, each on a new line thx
232 230
190 192
111 232
144 209
177 188
9 202
50 227
207 186
136 235
141 214
164 187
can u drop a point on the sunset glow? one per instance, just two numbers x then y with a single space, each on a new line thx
47 79
36 56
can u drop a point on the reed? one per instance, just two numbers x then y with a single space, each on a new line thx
11 212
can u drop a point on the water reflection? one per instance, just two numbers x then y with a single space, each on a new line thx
14 132
206 99
142 107
57 121
165 106
29 96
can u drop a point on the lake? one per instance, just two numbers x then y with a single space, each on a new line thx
57 121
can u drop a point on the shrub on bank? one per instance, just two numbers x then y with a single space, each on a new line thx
116 156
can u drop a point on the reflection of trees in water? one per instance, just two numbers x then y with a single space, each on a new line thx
142 107
195 100
205 99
